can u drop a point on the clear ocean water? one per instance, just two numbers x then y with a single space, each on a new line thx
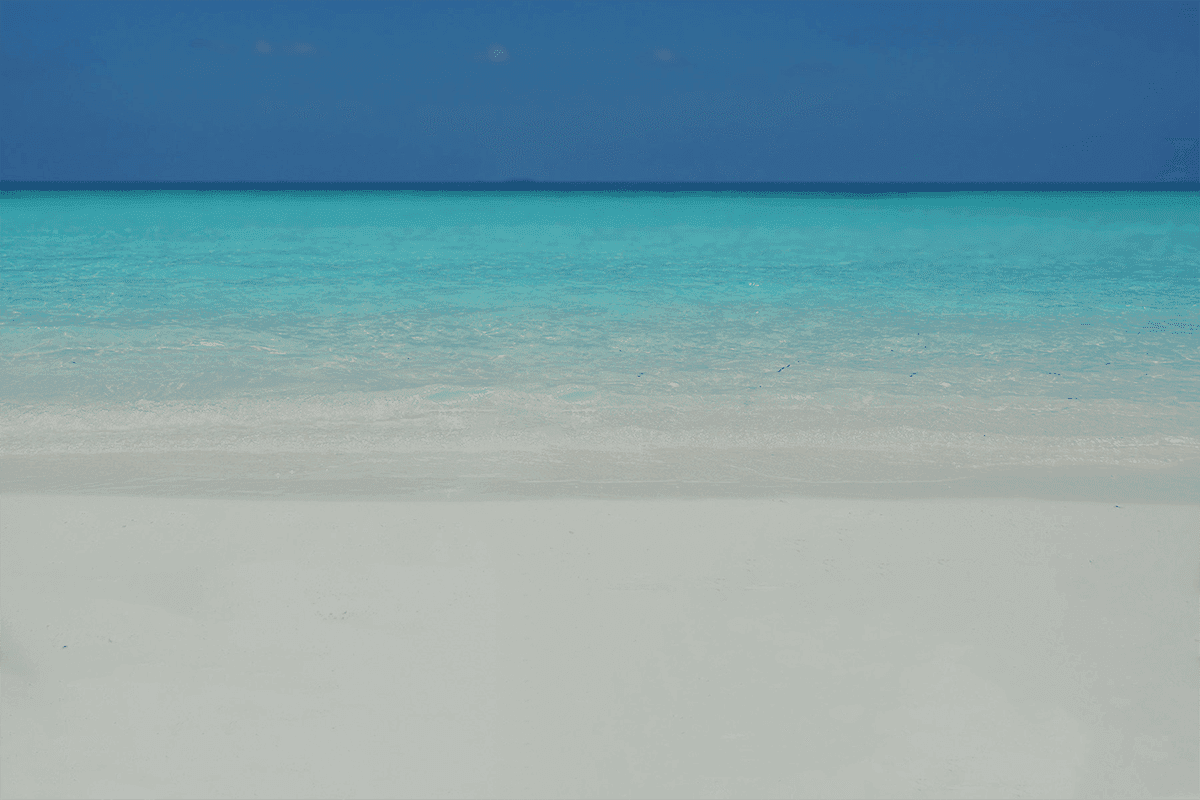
583 338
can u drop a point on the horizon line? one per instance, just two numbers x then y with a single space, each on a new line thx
777 186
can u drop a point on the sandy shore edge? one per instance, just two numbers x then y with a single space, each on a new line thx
693 474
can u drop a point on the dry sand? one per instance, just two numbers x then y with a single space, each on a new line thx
951 647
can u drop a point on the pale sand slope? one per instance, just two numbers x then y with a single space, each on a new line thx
598 648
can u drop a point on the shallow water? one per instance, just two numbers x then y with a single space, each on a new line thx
961 330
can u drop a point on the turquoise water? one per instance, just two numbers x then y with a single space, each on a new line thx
1060 325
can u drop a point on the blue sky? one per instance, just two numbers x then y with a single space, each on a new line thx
599 91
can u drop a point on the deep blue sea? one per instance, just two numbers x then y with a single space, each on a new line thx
591 337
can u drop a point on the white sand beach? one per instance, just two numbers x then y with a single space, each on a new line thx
796 647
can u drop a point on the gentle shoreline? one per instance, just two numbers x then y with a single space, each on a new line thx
773 647
691 474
